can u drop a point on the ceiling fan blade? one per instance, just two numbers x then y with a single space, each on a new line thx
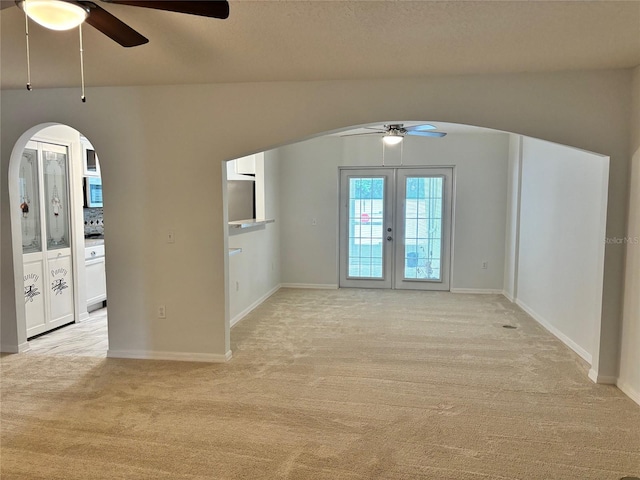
358 134
204 8
420 128
112 27
427 134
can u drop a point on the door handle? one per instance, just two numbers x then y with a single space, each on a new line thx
389 238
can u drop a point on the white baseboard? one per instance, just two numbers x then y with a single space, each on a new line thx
253 306
557 333
508 296
177 356
83 316
629 391
23 347
479 291
602 379
316 286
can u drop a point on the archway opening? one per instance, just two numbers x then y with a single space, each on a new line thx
57 221
527 214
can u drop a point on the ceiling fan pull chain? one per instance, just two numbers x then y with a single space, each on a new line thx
84 99
26 28
383 147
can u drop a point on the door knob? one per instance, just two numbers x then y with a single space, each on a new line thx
389 238
389 229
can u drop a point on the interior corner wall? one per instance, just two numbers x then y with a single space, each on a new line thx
254 274
561 241
629 376
11 338
310 191
513 217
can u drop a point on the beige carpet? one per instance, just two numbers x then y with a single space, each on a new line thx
347 384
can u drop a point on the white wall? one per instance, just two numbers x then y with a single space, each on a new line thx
512 226
161 164
562 240
256 271
310 190
629 378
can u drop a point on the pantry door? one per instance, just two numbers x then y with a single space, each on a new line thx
46 237
395 228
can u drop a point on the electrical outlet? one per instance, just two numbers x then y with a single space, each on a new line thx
237 286
485 265
162 311
314 221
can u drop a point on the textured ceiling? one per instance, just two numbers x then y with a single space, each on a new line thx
322 40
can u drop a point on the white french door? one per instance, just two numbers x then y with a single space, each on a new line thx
395 228
46 242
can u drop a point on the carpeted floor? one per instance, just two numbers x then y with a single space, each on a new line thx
345 384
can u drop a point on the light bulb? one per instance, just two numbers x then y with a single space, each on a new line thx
392 139
55 14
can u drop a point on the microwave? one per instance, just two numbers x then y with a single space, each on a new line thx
92 192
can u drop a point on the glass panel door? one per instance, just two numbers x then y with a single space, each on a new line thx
46 214
56 193
30 201
424 212
395 226
366 228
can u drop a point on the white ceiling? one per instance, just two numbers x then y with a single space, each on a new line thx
274 40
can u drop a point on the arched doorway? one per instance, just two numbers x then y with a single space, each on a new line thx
514 198
56 199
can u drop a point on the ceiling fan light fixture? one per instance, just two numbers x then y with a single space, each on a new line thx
55 14
392 138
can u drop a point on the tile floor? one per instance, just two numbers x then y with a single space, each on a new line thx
84 339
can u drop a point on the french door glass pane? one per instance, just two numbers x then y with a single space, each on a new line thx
30 202
56 199
366 232
423 224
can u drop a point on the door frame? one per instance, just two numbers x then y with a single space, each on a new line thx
47 256
447 267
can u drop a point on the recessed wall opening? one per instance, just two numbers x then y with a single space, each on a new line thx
527 221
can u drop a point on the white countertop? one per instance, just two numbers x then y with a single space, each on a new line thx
252 222
92 242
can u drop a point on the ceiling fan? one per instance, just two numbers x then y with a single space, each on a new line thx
394 133
67 14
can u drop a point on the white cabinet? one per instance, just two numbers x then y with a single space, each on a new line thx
95 274
96 281
246 165
243 168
